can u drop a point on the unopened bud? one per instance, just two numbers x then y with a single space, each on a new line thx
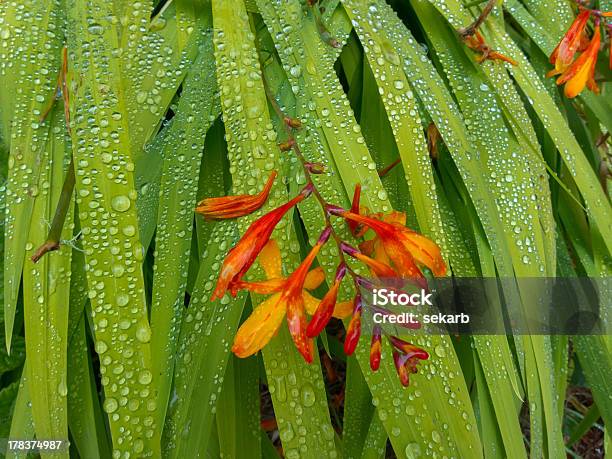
340 272
286 146
293 122
315 168
323 238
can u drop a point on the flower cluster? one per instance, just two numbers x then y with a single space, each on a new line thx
384 245
578 73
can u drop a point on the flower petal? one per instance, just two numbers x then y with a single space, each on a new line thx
563 54
296 321
265 287
353 332
270 260
344 309
582 70
425 251
314 278
259 328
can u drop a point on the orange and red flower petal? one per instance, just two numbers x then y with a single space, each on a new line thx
425 251
264 287
563 54
325 310
296 321
378 268
375 349
400 366
235 206
408 349
292 297
314 278
353 332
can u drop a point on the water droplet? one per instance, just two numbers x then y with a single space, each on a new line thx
145 377
110 405
413 450
122 299
143 333
307 395
121 203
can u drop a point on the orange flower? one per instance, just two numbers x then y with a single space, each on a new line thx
243 254
401 245
235 206
266 319
325 310
563 54
581 73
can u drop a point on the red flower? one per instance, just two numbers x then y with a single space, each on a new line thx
375 348
406 356
563 54
235 206
353 332
243 254
581 73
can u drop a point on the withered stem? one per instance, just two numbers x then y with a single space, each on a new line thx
55 232
326 36
385 170
473 27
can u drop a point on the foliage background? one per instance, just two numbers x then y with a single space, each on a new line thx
124 353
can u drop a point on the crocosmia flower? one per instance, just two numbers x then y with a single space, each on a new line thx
564 53
582 72
265 320
292 299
